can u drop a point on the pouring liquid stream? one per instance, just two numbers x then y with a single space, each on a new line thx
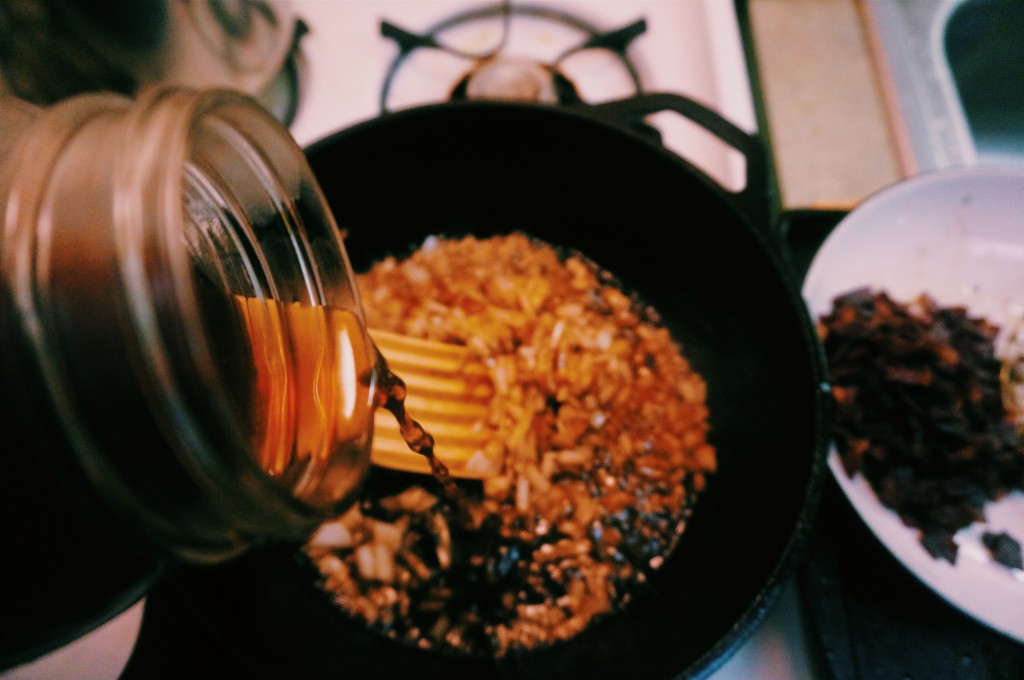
391 396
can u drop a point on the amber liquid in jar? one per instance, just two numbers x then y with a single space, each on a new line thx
312 372
318 379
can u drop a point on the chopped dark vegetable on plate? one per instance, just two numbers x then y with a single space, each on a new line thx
1004 549
920 411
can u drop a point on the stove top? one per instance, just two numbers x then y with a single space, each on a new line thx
360 58
356 59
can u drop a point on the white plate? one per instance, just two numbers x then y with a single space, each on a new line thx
957 235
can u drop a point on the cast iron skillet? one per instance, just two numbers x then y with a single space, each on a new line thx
705 258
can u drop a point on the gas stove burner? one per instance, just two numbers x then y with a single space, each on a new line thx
516 79
539 55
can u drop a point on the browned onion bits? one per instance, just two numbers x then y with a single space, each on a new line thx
919 410
599 426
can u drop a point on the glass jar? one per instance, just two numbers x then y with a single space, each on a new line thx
186 371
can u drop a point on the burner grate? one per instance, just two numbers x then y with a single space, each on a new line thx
504 72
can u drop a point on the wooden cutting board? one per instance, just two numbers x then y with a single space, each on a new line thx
830 135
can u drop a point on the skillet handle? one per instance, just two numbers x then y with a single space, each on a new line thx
754 200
